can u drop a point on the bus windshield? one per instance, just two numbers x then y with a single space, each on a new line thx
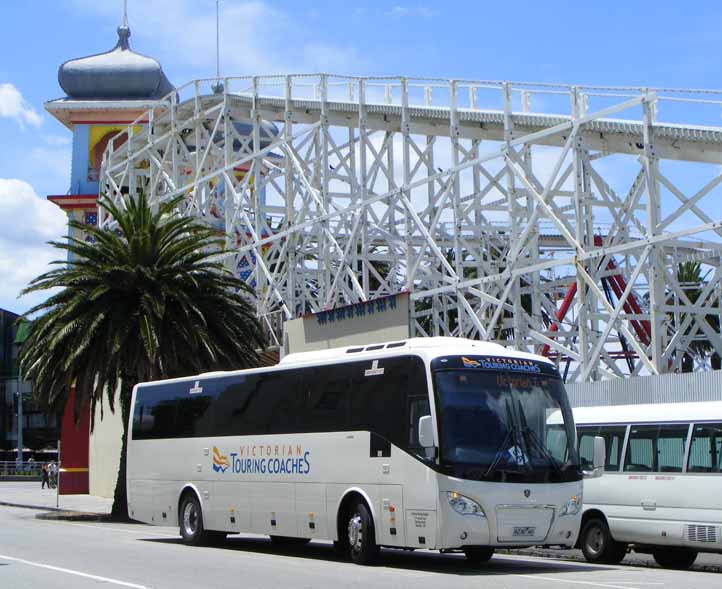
504 426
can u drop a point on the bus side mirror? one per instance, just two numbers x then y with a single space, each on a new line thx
598 459
426 432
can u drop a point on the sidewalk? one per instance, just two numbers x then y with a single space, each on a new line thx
29 494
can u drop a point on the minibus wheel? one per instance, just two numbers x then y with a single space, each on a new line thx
478 554
674 558
598 545
362 547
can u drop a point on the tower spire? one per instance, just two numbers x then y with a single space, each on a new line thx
218 86
124 29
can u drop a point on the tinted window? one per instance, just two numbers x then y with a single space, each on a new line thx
378 401
352 396
325 399
705 451
655 448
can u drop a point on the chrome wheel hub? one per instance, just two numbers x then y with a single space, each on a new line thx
595 541
355 533
190 519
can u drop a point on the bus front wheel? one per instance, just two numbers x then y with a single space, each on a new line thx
674 558
598 545
478 554
362 545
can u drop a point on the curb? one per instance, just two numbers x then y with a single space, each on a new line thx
28 506
73 516
59 513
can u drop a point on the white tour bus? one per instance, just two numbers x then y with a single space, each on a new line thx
662 487
437 443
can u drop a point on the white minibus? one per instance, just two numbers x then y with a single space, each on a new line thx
661 492
435 443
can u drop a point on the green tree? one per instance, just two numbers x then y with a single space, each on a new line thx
148 300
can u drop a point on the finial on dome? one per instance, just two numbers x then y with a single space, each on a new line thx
118 74
124 29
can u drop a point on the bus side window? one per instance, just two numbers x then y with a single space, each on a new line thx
656 448
641 449
155 412
325 398
418 407
586 446
671 442
417 402
614 439
705 452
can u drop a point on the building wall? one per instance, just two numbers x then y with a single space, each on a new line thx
74 450
664 388
104 455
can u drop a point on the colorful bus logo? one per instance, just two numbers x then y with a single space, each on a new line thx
469 363
220 461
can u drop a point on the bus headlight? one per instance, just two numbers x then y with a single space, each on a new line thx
573 506
464 505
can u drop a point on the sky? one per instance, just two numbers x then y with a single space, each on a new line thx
639 43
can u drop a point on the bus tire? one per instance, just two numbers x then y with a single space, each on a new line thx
362 547
478 554
289 540
191 522
598 545
674 558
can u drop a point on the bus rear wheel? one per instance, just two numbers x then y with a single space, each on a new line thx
598 545
362 547
674 558
191 523
478 554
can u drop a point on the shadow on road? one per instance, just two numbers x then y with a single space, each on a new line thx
433 562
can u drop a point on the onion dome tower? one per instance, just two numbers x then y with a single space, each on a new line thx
104 93
118 74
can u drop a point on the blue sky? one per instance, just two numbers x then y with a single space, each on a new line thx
639 43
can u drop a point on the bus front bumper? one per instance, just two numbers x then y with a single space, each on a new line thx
508 523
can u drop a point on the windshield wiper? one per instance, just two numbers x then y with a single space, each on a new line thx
532 439
512 433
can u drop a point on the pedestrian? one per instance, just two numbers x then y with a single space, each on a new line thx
53 472
46 479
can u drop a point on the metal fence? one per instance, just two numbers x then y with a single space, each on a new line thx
15 468
665 388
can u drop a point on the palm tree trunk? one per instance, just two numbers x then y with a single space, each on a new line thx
119 511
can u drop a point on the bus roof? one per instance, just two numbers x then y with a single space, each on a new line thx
429 347
425 345
651 413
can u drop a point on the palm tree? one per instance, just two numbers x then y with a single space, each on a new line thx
148 300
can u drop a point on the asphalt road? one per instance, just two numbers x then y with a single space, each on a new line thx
61 554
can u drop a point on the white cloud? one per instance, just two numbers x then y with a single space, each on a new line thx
256 38
14 106
27 222
398 11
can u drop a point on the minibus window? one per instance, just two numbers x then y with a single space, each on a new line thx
656 448
705 453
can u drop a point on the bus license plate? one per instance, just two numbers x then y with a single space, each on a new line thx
523 531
